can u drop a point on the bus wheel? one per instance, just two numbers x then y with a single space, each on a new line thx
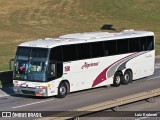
62 90
117 79
127 77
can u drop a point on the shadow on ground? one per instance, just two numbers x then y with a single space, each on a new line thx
6 79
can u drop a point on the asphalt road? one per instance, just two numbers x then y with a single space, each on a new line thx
82 98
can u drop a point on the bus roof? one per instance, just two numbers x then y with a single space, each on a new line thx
84 38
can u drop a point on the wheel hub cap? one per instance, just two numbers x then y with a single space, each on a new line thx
62 90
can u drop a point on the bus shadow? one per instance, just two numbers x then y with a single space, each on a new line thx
6 83
6 91
32 97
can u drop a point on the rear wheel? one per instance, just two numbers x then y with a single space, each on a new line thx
117 79
127 77
62 90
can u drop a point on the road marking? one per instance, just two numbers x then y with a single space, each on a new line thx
153 78
3 96
32 103
6 95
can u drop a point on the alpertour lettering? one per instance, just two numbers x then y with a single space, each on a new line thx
87 65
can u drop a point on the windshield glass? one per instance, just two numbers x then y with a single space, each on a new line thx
30 64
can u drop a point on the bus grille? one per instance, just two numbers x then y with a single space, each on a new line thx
28 92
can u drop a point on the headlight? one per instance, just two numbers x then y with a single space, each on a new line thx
15 84
41 87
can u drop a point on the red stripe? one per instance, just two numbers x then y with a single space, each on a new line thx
102 76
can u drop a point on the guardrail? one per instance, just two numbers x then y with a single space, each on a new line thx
105 105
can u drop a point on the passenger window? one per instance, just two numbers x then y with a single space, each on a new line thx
56 54
69 53
143 42
97 49
122 46
150 43
84 51
110 48
134 45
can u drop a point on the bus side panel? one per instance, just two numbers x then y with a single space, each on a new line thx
142 65
83 73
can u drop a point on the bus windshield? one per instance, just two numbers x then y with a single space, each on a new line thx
30 64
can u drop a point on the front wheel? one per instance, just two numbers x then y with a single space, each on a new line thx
117 79
62 90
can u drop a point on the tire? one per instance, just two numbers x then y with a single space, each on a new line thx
117 79
127 77
62 90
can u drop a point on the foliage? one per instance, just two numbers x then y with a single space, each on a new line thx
24 20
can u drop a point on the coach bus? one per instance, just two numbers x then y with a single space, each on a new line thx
73 62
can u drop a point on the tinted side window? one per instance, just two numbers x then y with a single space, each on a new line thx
84 51
122 46
110 48
97 49
134 45
69 53
56 54
143 42
150 43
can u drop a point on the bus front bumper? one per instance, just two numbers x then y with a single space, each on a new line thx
30 91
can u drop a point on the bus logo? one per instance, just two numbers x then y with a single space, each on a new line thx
67 68
87 65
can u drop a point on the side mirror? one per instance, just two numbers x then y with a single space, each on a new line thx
11 64
53 67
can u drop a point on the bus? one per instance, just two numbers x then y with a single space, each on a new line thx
79 61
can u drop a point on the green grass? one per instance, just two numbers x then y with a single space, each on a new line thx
25 20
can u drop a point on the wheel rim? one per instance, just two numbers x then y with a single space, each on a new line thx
118 79
62 90
127 77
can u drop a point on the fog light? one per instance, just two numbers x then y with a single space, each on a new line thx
41 92
15 90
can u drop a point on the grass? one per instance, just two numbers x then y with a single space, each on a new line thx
25 20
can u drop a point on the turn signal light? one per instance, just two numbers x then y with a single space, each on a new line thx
49 85
43 87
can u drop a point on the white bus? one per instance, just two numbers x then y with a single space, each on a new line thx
73 62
